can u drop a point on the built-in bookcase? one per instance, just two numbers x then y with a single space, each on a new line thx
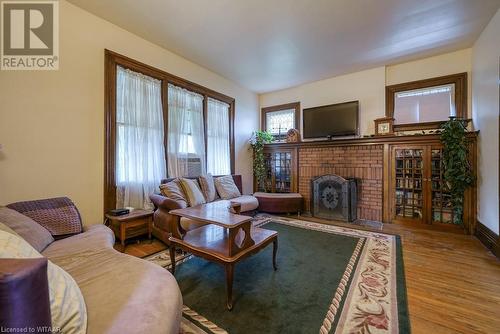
408 183
442 209
281 170
420 192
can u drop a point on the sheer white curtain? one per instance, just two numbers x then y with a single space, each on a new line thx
218 155
140 152
186 142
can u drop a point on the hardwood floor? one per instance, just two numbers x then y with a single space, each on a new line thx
452 280
141 247
453 283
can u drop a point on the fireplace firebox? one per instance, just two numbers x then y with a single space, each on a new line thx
334 198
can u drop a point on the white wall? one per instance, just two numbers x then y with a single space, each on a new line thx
444 64
485 114
366 86
52 122
441 65
369 86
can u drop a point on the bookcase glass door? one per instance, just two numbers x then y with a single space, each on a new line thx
409 185
278 166
442 209
282 172
266 186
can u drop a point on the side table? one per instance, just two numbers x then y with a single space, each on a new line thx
135 223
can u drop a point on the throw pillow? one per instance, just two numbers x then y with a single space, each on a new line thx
24 289
174 191
5 228
193 193
208 187
226 187
35 234
67 307
59 215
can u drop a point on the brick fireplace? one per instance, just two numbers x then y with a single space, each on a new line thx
363 162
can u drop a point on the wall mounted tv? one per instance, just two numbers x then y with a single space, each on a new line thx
334 120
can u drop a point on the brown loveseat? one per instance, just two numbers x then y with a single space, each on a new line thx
122 294
162 220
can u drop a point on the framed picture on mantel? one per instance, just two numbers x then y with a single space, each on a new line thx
384 126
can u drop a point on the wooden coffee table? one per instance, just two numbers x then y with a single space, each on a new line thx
227 238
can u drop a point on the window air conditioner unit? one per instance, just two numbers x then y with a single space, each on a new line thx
194 166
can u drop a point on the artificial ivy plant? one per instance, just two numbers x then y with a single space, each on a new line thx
259 138
457 167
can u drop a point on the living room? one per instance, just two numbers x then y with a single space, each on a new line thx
285 167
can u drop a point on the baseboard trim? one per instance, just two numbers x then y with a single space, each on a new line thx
488 238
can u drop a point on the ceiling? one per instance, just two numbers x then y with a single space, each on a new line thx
266 45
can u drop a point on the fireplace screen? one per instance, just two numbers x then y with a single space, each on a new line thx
334 198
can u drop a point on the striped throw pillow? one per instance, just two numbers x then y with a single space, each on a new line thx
174 191
193 193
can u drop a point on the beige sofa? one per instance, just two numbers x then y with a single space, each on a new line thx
123 294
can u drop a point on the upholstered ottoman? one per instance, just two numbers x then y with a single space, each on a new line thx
279 202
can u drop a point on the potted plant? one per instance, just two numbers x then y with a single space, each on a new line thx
457 167
257 141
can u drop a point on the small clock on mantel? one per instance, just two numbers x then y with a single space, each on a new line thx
384 126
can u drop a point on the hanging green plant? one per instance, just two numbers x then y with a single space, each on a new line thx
457 167
257 142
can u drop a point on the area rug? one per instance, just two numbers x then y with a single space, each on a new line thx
330 279
163 258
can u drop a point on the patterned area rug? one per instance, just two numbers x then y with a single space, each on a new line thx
330 279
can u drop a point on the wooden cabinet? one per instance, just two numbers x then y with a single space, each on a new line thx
418 192
281 170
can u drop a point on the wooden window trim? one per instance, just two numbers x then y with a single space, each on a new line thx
293 105
460 81
111 61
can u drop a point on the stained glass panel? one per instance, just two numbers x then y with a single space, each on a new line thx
279 122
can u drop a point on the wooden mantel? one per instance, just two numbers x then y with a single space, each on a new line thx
374 140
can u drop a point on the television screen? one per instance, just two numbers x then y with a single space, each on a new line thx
333 120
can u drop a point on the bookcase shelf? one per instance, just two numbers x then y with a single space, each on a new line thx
419 192
281 170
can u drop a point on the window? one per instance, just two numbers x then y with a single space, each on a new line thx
186 139
425 104
154 120
140 154
279 119
278 122
186 134
218 147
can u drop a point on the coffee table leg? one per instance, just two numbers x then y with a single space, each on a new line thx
171 249
275 250
229 285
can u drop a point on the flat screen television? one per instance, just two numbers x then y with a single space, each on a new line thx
333 120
